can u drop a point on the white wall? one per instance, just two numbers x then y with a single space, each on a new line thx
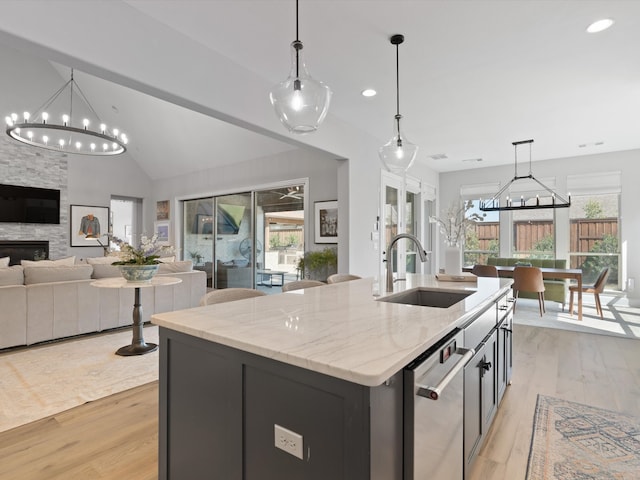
627 162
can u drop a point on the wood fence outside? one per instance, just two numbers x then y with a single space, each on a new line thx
584 233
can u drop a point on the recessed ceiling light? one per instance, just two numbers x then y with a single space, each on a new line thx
369 92
599 25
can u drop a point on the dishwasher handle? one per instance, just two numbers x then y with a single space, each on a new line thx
433 393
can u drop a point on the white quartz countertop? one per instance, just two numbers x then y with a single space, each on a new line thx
339 330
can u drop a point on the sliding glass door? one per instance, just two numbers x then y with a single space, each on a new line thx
234 246
248 239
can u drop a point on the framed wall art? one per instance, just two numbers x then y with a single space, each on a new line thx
326 222
162 230
89 225
162 210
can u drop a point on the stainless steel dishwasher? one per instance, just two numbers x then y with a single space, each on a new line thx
433 411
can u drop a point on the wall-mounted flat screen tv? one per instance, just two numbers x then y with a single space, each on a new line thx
29 204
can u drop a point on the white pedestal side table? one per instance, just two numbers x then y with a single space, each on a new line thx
138 345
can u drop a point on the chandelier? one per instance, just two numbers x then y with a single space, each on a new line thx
398 154
300 101
68 136
555 200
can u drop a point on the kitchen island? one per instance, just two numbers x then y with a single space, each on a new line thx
239 378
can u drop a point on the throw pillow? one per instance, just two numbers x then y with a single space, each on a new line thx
63 262
58 273
176 267
105 271
167 259
102 260
4 262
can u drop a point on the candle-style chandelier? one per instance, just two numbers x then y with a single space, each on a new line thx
41 130
550 199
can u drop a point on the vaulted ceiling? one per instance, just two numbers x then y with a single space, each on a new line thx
474 76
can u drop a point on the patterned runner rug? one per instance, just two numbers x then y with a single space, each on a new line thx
572 441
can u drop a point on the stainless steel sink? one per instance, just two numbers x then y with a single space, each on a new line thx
427 298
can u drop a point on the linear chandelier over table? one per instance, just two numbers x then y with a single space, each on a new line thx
495 203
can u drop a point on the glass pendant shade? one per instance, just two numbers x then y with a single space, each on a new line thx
398 154
300 101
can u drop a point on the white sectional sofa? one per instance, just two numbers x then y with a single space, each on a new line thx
38 303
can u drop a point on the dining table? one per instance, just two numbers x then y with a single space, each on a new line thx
548 273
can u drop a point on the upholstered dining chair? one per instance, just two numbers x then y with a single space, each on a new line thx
229 295
341 277
528 279
484 271
300 284
596 289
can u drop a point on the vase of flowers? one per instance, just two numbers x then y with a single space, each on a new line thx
140 264
453 226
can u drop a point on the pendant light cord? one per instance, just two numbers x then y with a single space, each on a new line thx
71 99
397 40
298 44
397 82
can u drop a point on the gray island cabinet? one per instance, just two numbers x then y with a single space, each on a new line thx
309 384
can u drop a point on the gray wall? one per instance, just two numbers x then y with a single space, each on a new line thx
321 169
81 180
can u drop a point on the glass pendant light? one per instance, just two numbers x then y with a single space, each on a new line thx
300 101
398 154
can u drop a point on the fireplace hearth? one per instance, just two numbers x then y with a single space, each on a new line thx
24 250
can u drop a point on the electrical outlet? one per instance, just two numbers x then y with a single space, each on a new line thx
631 284
288 441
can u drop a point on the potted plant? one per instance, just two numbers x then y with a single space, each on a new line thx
318 264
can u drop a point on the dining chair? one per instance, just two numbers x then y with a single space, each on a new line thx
341 277
300 284
484 271
596 289
528 279
223 295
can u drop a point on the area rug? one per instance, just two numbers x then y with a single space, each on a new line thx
572 441
40 381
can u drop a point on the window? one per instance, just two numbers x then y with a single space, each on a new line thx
594 238
482 239
534 231
594 218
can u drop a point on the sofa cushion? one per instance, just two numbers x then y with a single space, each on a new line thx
102 260
68 262
11 276
33 275
4 262
105 271
176 267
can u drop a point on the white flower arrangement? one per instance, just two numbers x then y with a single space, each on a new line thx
147 253
456 222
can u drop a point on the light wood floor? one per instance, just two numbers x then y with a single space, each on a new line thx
117 437
112 438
